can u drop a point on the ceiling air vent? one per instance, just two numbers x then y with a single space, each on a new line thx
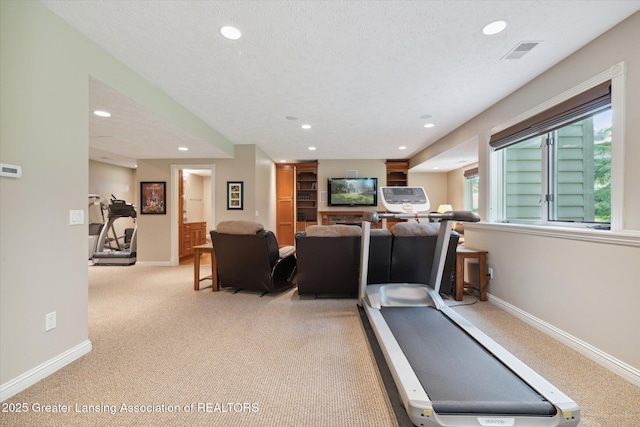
519 51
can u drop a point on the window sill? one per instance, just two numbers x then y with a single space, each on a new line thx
623 238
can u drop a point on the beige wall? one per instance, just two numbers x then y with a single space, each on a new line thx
250 165
194 198
254 168
436 186
44 127
43 267
455 189
338 169
265 195
586 289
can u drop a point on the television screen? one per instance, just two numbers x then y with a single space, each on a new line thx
353 191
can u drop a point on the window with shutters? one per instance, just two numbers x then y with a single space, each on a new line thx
555 167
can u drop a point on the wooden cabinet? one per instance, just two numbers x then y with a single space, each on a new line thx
397 176
297 199
306 195
192 234
397 173
285 204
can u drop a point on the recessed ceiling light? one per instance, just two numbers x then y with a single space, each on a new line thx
436 168
494 27
183 149
429 125
402 147
283 161
102 113
312 148
231 33
306 126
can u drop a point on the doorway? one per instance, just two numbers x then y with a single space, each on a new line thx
193 208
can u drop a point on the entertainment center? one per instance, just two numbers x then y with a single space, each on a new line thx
345 217
299 197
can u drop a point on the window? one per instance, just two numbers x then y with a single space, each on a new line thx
471 185
555 167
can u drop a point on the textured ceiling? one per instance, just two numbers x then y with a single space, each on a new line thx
133 132
363 74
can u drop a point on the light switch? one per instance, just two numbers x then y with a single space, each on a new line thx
76 217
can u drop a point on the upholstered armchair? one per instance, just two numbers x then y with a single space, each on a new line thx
248 257
414 247
329 260
380 244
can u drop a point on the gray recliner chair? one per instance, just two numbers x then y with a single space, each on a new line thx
414 247
248 257
329 260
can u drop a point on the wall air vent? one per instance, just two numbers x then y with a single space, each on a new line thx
519 51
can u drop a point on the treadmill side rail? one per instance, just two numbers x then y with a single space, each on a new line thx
419 406
412 394
563 403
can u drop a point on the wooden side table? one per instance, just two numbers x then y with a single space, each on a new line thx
197 251
463 254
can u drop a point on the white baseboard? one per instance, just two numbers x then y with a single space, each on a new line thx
34 375
616 366
155 263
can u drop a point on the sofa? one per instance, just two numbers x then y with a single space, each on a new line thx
328 258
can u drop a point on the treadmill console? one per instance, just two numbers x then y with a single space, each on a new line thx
405 199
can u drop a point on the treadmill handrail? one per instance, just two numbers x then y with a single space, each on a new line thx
456 215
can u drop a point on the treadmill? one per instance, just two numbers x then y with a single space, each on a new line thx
449 373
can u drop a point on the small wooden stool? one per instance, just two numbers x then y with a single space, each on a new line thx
462 254
197 251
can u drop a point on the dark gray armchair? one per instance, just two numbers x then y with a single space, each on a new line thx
248 257
414 247
329 260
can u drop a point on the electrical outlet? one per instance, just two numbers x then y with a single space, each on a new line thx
490 273
50 321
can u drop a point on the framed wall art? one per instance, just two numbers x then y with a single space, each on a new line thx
153 198
235 195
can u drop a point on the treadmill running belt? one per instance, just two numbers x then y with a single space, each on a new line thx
458 374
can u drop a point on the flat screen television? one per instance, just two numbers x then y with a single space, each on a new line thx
353 191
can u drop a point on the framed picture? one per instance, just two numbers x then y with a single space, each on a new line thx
153 198
235 195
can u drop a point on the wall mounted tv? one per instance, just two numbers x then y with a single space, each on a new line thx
353 191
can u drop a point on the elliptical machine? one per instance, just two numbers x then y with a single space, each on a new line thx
110 251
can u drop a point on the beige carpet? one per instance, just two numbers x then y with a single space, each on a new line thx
165 355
